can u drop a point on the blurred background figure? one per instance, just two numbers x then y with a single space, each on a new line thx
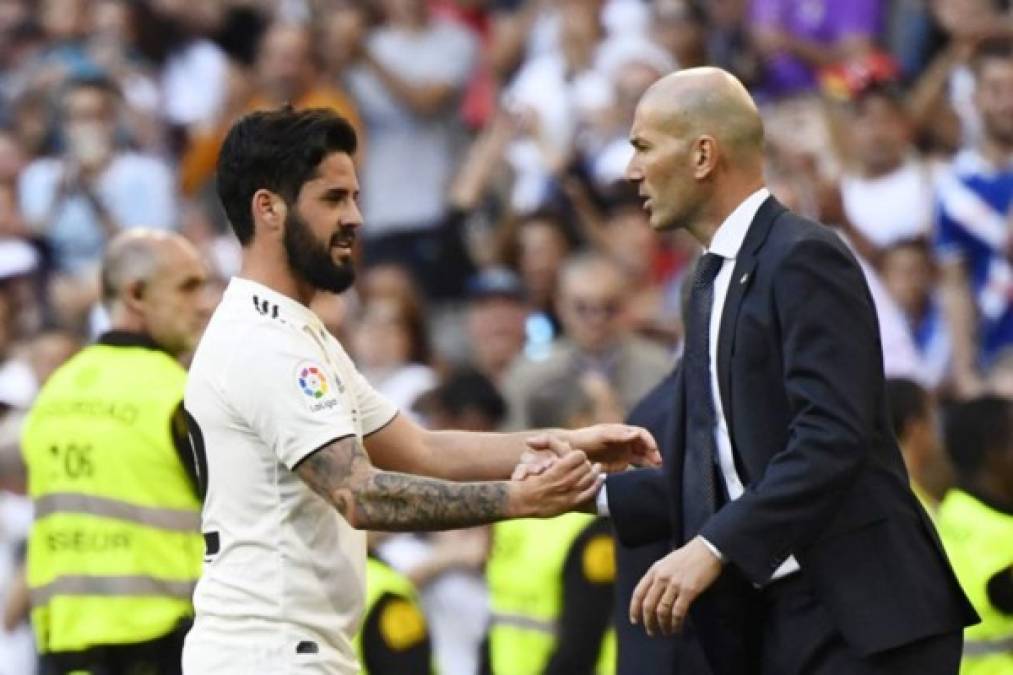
975 523
391 347
910 276
975 223
916 422
497 321
115 549
79 199
551 581
394 637
409 74
592 300
885 164
446 567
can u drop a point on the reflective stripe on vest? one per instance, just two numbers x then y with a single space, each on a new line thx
985 647
525 622
176 520
116 548
125 586
525 577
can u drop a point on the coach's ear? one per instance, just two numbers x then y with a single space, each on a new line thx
269 212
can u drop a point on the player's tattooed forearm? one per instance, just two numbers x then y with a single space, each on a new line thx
398 501
382 500
330 469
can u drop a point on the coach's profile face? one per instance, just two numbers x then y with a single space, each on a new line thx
670 164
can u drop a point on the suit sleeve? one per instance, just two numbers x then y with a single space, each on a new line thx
831 368
640 501
639 506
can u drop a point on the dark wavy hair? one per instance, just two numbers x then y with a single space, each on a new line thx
277 150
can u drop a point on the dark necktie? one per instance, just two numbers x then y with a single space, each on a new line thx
699 498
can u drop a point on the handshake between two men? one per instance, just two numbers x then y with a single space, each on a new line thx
662 598
563 470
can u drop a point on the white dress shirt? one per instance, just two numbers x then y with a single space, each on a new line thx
726 243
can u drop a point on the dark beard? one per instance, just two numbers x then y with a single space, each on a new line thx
311 261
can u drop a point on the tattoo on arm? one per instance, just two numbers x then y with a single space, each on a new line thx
385 500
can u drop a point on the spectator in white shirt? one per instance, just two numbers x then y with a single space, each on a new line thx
888 193
77 200
410 74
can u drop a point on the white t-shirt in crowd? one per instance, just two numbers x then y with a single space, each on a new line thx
410 158
138 190
283 583
891 208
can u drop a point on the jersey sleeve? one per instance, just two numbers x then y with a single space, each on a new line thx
288 395
376 410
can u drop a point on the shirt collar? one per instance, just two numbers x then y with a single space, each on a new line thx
732 232
245 290
127 338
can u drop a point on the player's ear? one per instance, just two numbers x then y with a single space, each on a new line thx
269 212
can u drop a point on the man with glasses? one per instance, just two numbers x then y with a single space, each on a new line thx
591 302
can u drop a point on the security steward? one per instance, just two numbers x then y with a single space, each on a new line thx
975 522
551 593
115 549
394 637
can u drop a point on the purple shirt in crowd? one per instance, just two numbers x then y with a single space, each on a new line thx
823 21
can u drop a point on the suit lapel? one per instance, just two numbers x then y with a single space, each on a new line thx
742 278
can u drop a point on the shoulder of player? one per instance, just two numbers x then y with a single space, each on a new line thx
248 347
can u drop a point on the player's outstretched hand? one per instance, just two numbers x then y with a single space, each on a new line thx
614 446
569 483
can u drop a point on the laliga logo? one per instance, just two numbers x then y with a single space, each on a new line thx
312 382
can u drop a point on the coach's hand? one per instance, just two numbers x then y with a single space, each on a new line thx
663 597
614 446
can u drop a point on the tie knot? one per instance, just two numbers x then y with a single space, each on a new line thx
707 268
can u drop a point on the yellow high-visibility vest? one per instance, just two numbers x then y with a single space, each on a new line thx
525 576
403 625
115 550
979 542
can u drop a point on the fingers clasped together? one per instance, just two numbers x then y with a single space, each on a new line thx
614 446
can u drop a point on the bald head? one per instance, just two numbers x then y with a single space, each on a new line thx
698 150
708 101
131 258
152 283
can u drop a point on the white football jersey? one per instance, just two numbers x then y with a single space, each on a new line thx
283 583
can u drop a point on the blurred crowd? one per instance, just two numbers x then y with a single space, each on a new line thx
509 276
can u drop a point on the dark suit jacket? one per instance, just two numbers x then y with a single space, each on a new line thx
640 654
801 380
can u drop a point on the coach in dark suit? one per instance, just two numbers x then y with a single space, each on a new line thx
638 652
803 549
